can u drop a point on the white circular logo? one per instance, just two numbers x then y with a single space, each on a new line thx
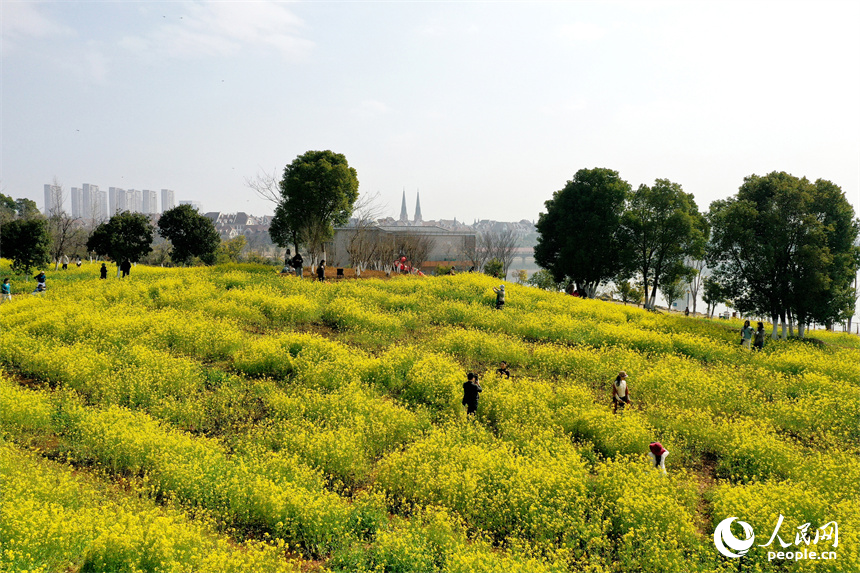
723 537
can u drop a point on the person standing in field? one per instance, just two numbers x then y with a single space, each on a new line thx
41 284
103 272
503 370
471 390
6 291
620 392
658 455
758 342
746 334
297 263
125 267
500 296
321 271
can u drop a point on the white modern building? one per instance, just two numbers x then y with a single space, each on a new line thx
150 202
53 199
168 199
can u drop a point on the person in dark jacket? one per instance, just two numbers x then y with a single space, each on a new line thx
503 370
103 272
471 390
297 263
321 271
125 267
758 337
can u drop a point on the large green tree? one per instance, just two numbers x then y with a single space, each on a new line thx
190 233
663 226
125 236
784 247
318 191
26 243
26 208
579 236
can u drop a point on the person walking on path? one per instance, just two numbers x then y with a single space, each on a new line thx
758 337
746 334
103 272
503 370
6 291
471 390
500 296
321 271
620 392
297 263
658 455
125 267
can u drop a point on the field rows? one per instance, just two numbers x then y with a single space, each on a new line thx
323 423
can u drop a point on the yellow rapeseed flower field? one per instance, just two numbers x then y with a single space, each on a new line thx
233 419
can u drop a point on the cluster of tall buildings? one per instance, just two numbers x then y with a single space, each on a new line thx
91 203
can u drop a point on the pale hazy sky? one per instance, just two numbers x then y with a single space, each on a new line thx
486 108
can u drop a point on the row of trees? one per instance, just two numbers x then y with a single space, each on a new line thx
783 247
32 240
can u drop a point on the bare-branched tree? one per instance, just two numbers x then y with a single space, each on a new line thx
474 252
66 236
698 273
266 185
501 245
415 248
364 241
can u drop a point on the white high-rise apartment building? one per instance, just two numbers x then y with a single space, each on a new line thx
118 199
91 203
135 200
101 208
53 199
150 202
168 199
77 202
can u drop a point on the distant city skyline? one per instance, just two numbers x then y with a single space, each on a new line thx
486 107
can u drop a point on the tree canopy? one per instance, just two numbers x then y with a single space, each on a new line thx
663 226
125 236
26 243
318 191
579 235
785 247
190 233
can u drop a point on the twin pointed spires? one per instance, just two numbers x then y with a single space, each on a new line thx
404 214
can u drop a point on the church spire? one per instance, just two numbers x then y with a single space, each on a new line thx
418 218
404 214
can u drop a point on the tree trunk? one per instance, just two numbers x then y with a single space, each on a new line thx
801 329
775 320
784 325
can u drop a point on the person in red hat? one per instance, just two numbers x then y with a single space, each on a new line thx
658 455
